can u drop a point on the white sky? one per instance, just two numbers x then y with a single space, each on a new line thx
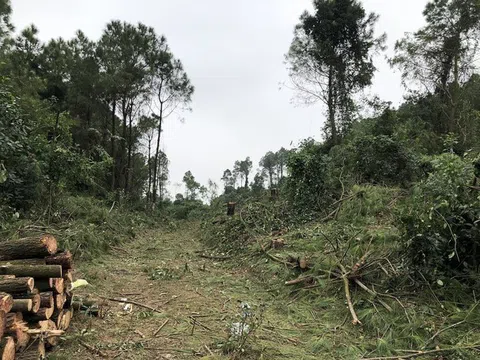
233 52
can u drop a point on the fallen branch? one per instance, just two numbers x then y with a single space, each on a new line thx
299 280
131 302
355 320
160 328
93 349
424 353
219 258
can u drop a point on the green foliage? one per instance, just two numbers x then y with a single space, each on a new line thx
441 217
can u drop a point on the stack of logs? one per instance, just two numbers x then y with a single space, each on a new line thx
35 304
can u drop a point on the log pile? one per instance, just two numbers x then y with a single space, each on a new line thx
35 303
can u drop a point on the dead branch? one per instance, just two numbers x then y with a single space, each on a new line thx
160 328
132 302
93 349
355 320
299 280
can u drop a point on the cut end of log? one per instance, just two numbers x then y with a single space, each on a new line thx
7 348
6 302
50 243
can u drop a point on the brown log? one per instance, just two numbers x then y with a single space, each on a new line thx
35 271
16 285
3 322
22 305
57 318
47 299
12 318
60 300
30 262
18 331
59 285
28 248
67 318
34 351
48 326
42 314
44 284
7 348
231 208
65 259
34 296
6 302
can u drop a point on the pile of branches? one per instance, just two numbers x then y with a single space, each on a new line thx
35 301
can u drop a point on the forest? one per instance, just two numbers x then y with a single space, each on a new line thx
364 245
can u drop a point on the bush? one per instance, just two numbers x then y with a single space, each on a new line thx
441 218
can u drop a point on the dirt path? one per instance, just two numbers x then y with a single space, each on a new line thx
162 270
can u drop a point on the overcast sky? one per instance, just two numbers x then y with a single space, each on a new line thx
233 51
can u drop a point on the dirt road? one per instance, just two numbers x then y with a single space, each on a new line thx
196 299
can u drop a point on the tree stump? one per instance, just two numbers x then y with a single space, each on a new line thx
231 208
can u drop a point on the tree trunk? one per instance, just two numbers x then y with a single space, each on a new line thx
22 305
35 271
7 349
331 107
129 158
28 248
453 95
157 152
149 192
3 321
34 296
42 314
16 285
246 180
47 299
114 157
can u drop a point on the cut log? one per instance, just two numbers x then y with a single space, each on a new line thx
22 305
34 351
35 271
57 318
65 259
59 285
60 300
7 349
6 302
44 284
12 318
42 314
16 285
49 327
18 332
47 299
34 296
3 322
28 248
67 318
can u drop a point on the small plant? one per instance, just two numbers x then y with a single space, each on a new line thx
163 274
241 332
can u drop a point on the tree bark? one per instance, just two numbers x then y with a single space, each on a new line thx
33 295
129 156
7 349
331 107
112 140
157 153
22 305
35 271
3 321
149 192
16 285
65 259
6 302
44 285
46 299
42 314
27 248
